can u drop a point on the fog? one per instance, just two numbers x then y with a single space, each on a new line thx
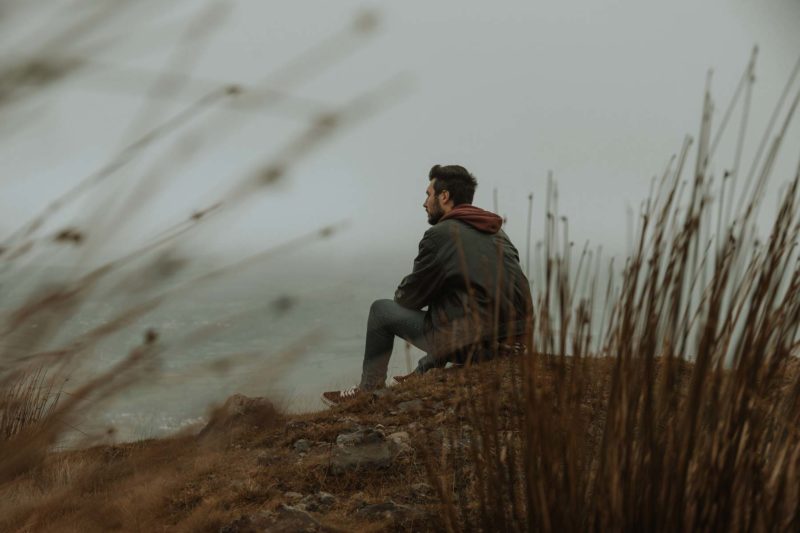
598 94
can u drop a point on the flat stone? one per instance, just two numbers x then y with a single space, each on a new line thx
363 448
319 502
302 446
399 437
296 424
359 437
401 440
326 498
293 495
375 455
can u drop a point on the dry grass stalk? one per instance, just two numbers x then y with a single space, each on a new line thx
28 331
696 426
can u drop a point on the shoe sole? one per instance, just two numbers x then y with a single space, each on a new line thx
327 402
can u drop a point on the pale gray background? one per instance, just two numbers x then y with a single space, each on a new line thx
599 92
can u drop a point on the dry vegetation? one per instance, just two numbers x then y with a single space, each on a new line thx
675 407
247 464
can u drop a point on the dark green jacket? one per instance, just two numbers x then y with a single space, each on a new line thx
468 275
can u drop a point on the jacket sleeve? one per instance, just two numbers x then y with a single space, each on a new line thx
418 288
509 248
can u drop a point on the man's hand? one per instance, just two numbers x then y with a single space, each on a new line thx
429 362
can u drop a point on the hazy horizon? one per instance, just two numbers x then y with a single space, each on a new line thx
602 96
598 94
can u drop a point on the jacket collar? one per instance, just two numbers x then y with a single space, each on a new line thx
476 217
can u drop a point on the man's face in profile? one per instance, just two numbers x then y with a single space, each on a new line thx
432 205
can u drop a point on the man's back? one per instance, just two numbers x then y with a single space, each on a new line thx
468 274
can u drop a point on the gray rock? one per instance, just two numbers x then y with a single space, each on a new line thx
400 437
360 437
302 446
292 495
296 424
411 406
377 455
364 448
319 502
401 440
326 498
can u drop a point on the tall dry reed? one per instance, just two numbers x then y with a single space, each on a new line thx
142 277
678 408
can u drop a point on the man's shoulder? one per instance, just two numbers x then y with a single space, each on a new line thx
502 235
447 230
442 229
450 230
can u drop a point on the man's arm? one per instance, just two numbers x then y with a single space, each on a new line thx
509 246
417 289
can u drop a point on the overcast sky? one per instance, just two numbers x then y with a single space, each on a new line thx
601 93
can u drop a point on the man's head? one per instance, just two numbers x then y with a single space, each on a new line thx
450 185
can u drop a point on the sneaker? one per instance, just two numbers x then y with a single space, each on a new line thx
336 397
397 380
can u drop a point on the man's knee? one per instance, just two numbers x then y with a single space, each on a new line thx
381 307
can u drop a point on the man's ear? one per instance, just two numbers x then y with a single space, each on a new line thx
445 196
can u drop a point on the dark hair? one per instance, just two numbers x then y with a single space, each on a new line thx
456 180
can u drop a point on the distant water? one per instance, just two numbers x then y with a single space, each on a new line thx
288 337
289 333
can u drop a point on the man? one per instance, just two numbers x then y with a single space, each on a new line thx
468 275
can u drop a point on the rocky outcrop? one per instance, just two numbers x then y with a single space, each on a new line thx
241 412
363 448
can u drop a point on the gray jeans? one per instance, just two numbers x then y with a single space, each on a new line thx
387 320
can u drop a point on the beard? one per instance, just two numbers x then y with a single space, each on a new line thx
435 215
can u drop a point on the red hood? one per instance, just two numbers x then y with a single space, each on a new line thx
476 217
